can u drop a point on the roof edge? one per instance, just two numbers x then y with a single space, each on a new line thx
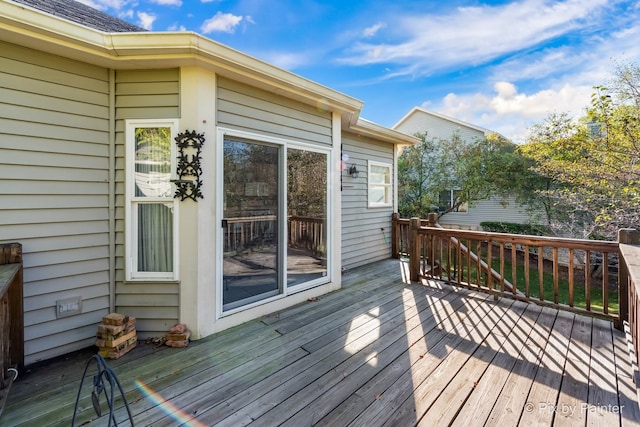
374 130
39 30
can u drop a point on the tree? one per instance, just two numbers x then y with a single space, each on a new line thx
594 162
476 169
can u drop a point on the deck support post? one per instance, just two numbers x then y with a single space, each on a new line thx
395 253
628 236
414 250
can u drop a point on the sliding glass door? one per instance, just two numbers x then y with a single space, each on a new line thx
251 223
275 218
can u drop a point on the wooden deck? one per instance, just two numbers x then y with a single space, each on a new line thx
377 352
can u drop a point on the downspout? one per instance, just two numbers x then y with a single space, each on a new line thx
112 190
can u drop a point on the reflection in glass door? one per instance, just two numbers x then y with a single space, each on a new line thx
306 216
251 221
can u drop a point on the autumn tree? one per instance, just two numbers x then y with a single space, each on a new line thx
594 162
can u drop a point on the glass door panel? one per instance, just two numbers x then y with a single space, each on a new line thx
306 216
251 223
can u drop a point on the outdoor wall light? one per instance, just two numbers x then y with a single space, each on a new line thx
353 171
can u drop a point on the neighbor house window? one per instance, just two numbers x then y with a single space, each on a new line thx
151 207
379 184
447 201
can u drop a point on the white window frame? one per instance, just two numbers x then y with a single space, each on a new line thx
132 202
388 187
464 206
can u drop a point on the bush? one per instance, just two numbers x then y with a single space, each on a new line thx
514 228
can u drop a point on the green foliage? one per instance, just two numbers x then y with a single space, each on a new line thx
594 162
477 169
515 228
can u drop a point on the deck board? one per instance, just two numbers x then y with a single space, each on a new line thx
377 352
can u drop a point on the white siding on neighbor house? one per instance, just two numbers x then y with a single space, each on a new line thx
54 172
366 232
143 94
249 109
437 127
494 209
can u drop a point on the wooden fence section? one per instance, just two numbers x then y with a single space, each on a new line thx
303 232
572 274
11 317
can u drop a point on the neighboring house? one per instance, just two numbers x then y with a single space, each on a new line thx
267 213
470 216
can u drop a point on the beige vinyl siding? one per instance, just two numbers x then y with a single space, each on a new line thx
366 232
54 171
246 108
143 94
438 127
493 209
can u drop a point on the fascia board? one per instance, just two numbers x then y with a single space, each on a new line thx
373 130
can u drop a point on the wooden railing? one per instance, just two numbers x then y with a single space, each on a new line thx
303 232
571 274
11 317
629 240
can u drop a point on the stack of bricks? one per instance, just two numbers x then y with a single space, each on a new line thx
116 335
178 336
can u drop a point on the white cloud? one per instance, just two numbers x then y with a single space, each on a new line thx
509 111
474 35
167 2
145 20
373 30
223 22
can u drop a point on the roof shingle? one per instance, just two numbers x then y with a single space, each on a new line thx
82 14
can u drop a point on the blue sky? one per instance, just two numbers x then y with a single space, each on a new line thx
502 65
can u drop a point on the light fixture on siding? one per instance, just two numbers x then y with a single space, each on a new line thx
353 171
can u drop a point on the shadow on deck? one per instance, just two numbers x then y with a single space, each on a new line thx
380 351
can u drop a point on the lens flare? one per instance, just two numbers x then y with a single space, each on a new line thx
167 407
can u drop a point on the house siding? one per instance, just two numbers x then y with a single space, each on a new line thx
366 232
249 109
143 94
437 127
494 209
54 193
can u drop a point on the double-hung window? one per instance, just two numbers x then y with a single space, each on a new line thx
379 184
151 210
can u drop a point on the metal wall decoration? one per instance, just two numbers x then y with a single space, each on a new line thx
189 169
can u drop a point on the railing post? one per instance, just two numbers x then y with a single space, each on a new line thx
628 236
414 250
432 219
395 236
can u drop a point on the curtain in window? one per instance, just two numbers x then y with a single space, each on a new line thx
155 237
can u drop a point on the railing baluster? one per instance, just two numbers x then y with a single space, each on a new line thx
570 277
502 287
478 262
587 280
556 290
514 268
541 272
489 275
526 271
605 282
